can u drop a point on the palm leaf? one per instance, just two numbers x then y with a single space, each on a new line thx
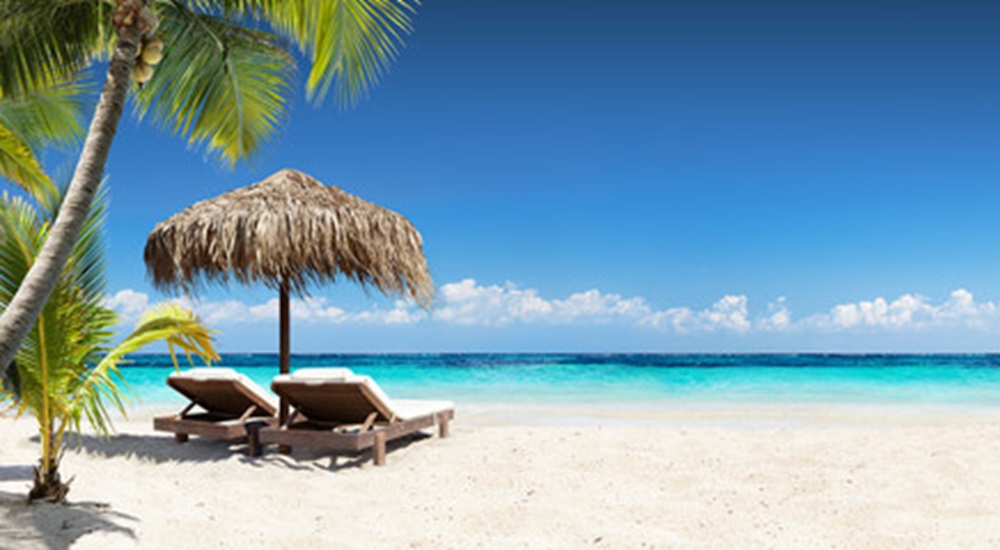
170 323
354 43
47 41
350 43
219 84
19 164
21 232
52 115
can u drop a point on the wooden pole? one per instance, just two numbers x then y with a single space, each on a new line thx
285 347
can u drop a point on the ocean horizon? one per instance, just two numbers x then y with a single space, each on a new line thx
631 378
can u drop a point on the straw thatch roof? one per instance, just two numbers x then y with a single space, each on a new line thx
289 227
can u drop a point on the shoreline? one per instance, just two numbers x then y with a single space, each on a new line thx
816 476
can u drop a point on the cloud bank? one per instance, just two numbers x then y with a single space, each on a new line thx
469 303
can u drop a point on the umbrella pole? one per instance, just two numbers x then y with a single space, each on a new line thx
284 351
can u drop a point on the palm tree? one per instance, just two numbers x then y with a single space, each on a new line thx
65 371
223 81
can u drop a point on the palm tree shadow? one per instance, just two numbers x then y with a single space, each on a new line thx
16 472
156 448
56 526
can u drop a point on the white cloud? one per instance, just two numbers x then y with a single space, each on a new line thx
909 311
729 313
128 303
778 317
467 302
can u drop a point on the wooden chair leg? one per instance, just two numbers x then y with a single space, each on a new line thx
379 450
443 426
285 449
180 438
253 439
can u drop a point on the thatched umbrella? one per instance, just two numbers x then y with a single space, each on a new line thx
287 232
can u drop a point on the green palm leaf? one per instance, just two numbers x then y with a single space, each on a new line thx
350 43
48 41
354 42
46 116
219 84
19 164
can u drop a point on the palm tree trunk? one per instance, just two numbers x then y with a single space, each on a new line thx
48 484
26 306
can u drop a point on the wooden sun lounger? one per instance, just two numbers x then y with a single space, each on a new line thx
229 402
347 413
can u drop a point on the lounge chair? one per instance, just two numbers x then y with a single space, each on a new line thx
338 410
227 400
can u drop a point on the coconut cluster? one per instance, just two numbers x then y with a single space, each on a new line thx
148 55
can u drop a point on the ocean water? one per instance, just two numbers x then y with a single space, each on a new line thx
956 380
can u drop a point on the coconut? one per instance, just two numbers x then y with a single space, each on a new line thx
151 55
142 72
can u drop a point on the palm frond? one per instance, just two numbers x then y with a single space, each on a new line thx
21 232
219 84
19 164
52 115
46 41
350 43
353 43
49 115
173 324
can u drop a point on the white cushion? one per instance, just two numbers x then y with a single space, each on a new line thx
412 408
207 373
379 393
334 374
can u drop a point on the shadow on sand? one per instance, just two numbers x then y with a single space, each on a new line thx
55 526
304 458
160 449
156 448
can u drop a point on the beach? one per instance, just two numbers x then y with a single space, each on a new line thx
790 476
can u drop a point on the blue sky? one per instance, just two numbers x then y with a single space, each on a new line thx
641 176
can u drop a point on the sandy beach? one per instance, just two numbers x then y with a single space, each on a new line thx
767 477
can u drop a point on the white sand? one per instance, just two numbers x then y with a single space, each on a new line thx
789 477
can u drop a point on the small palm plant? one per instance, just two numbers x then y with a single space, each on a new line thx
65 371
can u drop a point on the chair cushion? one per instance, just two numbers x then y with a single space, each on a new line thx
333 374
412 408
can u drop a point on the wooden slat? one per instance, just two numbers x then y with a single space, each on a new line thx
342 402
302 434
369 422
221 396
223 429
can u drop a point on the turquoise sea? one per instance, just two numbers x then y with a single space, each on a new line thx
955 380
